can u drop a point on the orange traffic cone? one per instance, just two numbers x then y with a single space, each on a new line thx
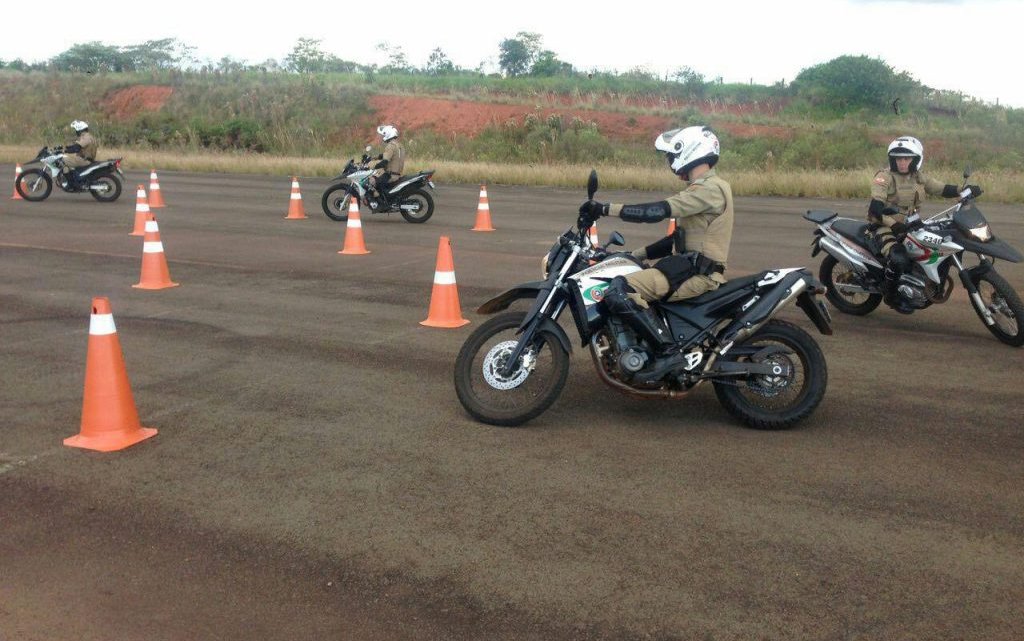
671 226
154 263
593 235
354 231
483 212
17 173
141 212
295 210
110 421
444 299
156 199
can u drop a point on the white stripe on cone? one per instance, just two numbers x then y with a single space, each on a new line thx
101 325
152 226
296 196
153 247
444 278
484 206
354 222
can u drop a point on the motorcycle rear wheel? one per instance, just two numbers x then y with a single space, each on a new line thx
1005 306
33 185
513 400
335 202
424 206
111 189
831 272
777 403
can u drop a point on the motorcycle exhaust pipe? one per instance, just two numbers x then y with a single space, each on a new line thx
763 311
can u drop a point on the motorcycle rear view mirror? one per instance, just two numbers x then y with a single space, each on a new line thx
968 170
615 239
592 184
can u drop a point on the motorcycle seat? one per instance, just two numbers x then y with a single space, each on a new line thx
725 290
820 216
853 229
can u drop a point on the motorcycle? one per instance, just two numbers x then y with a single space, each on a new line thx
767 372
100 179
405 195
853 271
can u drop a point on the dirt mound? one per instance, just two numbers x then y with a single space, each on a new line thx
130 101
469 118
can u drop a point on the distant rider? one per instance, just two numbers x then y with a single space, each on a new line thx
896 195
389 163
80 153
693 258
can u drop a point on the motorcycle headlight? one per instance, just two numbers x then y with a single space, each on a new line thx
982 234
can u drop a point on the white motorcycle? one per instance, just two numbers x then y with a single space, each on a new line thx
406 195
854 272
100 179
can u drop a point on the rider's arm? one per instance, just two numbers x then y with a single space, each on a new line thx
642 213
73 148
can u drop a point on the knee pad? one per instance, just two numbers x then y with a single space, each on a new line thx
616 297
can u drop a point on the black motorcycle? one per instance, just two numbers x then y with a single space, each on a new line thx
100 179
404 195
767 372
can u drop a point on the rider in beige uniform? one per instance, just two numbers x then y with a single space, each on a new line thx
896 195
82 152
694 257
391 161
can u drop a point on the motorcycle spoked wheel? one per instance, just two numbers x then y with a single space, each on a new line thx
417 206
1005 306
833 272
33 185
532 387
109 189
778 402
335 202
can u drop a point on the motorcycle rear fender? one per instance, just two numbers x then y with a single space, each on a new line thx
815 310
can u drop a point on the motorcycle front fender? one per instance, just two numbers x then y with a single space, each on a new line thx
509 296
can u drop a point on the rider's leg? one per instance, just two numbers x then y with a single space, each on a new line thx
897 263
627 299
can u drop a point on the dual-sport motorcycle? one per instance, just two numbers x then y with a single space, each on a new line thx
767 372
100 179
405 195
854 271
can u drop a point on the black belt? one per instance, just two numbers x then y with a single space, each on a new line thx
705 266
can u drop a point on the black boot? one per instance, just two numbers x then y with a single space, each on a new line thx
897 265
639 319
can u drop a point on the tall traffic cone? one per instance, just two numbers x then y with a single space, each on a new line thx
354 231
17 173
156 199
154 263
671 226
444 299
593 235
483 212
295 210
141 212
110 421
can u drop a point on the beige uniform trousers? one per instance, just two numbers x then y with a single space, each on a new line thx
651 284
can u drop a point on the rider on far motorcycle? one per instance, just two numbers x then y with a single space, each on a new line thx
693 258
389 163
896 194
80 153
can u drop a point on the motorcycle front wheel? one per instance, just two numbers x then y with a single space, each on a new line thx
534 384
778 402
833 273
105 189
1004 305
33 185
417 206
335 202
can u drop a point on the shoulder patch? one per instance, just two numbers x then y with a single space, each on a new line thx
881 179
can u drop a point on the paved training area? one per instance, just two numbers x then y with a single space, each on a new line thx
314 475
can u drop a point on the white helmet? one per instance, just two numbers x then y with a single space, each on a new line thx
689 147
79 126
906 146
387 132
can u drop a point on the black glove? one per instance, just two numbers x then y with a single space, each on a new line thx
590 211
899 229
975 190
890 211
380 157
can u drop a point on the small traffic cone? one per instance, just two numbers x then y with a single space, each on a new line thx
354 231
110 421
671 226
295 210
444 299
17 173
593 235
483 212
156 199
141 212
154 263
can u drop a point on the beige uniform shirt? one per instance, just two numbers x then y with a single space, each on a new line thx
394 153
89 146
904 192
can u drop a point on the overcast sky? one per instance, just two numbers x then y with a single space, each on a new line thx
973 46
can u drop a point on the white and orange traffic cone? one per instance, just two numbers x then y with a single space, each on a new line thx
154 264
354 230
444 298
671 226
17 174
483 212
156 199
295 210
593 235
141 212
110 420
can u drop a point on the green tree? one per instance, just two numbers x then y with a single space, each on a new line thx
516 55
438 64
691 80
167 53
307 57
91 57
397 60
852 82
548 64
